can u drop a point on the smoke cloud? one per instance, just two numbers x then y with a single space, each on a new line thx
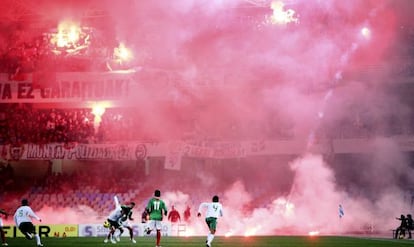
240 76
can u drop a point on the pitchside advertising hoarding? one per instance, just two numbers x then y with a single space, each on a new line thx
45 231
97 230
83 230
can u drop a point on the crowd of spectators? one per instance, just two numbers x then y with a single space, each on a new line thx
23 123
32 51
6 176
26 51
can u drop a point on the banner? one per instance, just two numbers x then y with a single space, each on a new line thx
45 231
174 151
74 151
97 230
173 156
69 87
83 230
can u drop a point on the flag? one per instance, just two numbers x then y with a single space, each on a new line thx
173 156
341 211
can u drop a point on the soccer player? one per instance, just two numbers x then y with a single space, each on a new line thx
214 210
156 209
114 220
23 219
3 234
126 215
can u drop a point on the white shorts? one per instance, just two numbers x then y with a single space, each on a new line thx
125 223
155 224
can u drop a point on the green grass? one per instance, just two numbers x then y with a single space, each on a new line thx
219 241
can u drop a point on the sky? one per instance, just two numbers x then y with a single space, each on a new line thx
229 68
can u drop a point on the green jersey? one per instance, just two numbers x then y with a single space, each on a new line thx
156 208
126 212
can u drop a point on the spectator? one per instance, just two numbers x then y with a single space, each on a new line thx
187 214
410 225
174 215
400 231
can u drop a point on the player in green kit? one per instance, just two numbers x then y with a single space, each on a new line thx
156 209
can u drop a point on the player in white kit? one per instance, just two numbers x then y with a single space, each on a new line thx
23 219
214 210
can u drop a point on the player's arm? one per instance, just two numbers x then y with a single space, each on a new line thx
202 205
117 204
149 207
15 219
4 213
165 209
33 215
130 215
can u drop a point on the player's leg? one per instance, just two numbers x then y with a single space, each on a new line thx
118 237
158 227
29 231
112 232
131 233
397 231
212 223
126 225
111 235
108 237
3 234
24 230
113 226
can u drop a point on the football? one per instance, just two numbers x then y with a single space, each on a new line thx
106 224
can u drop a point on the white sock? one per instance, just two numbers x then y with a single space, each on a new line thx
37 239
210 238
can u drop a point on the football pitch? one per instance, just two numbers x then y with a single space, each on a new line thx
262 241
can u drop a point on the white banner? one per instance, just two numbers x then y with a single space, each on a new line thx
97 230
68 87
74 151
174 151
173 156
